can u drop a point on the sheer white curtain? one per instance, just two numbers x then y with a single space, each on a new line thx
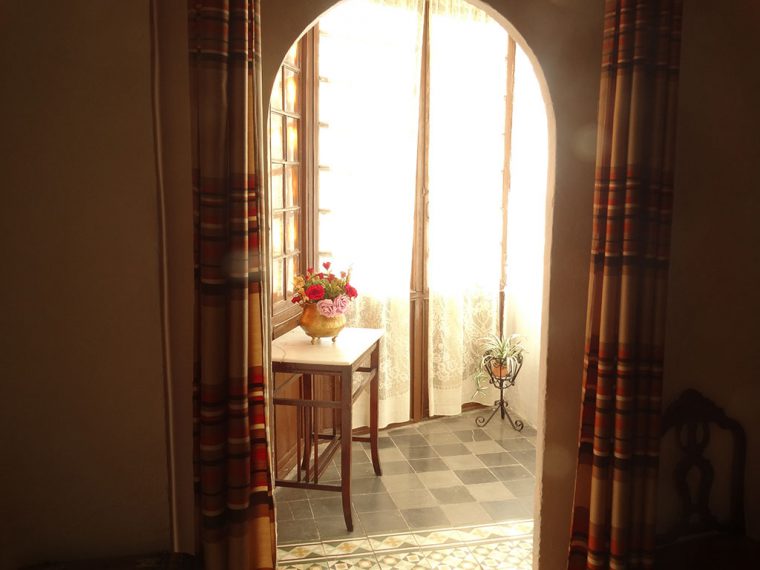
369 67
527 230
468 52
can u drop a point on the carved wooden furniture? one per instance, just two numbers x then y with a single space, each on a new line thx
308 363
700 539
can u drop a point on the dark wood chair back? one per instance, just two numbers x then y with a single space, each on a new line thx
691 418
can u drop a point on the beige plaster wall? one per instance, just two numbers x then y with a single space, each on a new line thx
81 405
714 295
80 288
176 175
565 38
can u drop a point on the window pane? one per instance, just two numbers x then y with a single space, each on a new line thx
291 232
276 137
291 91
276 100
277 234
327 232
292 271
327 191
276 184
329 102
328 143
292 56
292 139
332 55
277 280
291 186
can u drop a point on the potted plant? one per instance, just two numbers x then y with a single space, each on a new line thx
325 298
502 357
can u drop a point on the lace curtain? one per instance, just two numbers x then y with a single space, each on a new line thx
370 54
369 101
468 52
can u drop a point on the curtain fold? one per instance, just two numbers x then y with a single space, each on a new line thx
468 83
233 484
614 506
368 115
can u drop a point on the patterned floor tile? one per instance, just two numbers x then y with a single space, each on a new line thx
341 548
368 562
403 561
518 528
511 554
437 538
382 539
451 558
301 551
492 532
392 542
304 566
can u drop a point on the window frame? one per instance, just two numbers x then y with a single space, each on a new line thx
284 313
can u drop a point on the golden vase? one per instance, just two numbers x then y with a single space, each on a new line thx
318 326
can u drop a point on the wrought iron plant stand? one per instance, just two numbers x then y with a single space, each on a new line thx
502 383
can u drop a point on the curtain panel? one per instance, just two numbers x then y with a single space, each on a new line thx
465 166
614 508
233 483
368 109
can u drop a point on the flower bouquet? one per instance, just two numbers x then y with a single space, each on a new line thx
325 298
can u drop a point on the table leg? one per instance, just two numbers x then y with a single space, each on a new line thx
306 384
373 413
345 447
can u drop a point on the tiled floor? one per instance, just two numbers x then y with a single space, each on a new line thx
445 473
507 546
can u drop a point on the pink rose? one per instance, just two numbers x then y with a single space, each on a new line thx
341 302
327 308
333 307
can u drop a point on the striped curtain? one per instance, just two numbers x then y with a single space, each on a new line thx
614 505
233 482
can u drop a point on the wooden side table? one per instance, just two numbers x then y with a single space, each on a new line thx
293 353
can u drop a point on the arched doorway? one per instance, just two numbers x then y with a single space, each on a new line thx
526 261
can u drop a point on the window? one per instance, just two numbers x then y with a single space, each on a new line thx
290 184
393 140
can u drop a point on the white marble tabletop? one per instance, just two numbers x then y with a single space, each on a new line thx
295 347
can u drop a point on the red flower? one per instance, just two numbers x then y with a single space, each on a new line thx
342 274
315 292
350 291
331 277
295 299
321 275
310 270
326 265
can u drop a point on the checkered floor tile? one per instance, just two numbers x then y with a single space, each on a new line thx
452 495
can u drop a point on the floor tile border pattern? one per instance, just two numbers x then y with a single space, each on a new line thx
409 549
